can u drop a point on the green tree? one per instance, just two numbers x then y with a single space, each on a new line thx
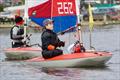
23 1
1 7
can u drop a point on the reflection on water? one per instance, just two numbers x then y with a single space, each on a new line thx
103 38
17 71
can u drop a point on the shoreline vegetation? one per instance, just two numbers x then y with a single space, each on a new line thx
83 23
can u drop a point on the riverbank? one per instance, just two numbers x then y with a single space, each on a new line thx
6 25
100 23
83 23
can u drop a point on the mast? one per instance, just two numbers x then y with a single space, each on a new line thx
25 17
77 10
91 23
78 21
51 9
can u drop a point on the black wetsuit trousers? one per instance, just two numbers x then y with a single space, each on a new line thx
49 54
17 44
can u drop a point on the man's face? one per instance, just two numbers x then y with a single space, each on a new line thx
50 26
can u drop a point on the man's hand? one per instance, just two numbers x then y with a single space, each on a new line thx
28 35
61 43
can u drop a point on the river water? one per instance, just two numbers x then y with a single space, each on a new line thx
104 38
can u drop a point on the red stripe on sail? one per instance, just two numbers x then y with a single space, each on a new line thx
42 10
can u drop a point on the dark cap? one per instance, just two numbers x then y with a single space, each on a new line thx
47 21
18 19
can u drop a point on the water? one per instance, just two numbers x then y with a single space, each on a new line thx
106 38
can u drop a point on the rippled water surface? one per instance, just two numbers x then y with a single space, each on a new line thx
105 38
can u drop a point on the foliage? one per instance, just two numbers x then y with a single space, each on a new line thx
1 7
23 1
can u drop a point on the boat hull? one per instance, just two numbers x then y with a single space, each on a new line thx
78 60
22 53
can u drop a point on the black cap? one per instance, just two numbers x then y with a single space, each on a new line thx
18 19
47 21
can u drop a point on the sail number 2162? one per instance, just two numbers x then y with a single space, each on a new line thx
65 8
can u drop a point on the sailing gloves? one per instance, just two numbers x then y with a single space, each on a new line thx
51 47
60 44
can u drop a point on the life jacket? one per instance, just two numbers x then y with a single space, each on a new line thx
20 32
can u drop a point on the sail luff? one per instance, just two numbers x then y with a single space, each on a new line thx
79 32
91 22
77 10
51 9
25 17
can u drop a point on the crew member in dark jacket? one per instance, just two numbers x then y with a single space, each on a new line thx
50 41
17 33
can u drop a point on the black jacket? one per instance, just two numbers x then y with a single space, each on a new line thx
49 37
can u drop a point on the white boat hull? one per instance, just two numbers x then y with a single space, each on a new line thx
77 62
22 54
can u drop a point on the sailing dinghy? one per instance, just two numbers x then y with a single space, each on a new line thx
64 13
22 53
86 59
